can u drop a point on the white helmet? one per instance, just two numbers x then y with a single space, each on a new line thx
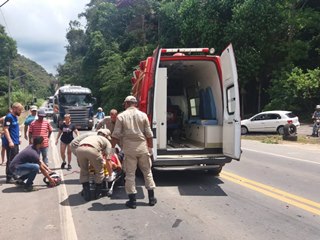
99 109
318 107
55 176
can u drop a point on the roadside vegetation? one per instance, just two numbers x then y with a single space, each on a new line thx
277 139
276 45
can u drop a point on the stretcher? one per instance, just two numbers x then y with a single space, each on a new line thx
107 187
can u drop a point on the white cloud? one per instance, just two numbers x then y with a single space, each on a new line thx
40 27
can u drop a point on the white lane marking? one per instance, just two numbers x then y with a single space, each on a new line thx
68 229
278 155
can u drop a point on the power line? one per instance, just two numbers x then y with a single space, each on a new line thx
4 3
5 22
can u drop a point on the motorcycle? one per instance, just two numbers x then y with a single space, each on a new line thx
316 126
97 123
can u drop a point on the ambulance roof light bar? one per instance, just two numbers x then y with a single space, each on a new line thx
187 50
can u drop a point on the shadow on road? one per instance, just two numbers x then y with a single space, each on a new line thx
190 183
73 200
107 207
15 188
120 193
71 182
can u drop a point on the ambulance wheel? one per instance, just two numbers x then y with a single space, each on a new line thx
215 171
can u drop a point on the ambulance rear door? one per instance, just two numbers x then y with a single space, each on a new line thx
231 103
159 97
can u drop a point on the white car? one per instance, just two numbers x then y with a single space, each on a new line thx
270 121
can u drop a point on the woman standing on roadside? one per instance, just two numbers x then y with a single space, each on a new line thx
66 132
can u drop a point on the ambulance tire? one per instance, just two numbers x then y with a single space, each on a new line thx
215 171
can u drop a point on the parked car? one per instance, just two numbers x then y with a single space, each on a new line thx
270 121
49 111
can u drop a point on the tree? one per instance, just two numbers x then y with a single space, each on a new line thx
169 24
297 91
71 71
270 39
8 51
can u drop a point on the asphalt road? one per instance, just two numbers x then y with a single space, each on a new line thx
271 193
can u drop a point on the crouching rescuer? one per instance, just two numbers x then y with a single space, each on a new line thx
133 127
93 150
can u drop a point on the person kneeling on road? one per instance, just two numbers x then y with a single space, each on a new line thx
26 164
94 150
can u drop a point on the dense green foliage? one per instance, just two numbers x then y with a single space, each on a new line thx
28 79
297 90
276 45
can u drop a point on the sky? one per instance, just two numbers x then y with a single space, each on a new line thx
39 27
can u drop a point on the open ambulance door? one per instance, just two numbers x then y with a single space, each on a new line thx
159 118
231 103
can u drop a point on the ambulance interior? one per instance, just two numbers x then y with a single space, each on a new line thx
194 104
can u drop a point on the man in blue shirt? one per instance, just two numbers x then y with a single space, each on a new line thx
100 114
12 135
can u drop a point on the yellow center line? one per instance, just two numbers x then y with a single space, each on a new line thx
283 196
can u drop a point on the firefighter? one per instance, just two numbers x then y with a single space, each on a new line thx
94 149
133 127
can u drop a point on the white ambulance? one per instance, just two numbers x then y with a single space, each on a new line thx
191 97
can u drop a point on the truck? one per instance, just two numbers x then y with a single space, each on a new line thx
191 98
76 101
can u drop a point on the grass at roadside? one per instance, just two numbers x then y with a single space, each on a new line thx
23 116
277 139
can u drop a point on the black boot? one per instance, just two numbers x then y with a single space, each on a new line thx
98 191
152 199
86 191
132 203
